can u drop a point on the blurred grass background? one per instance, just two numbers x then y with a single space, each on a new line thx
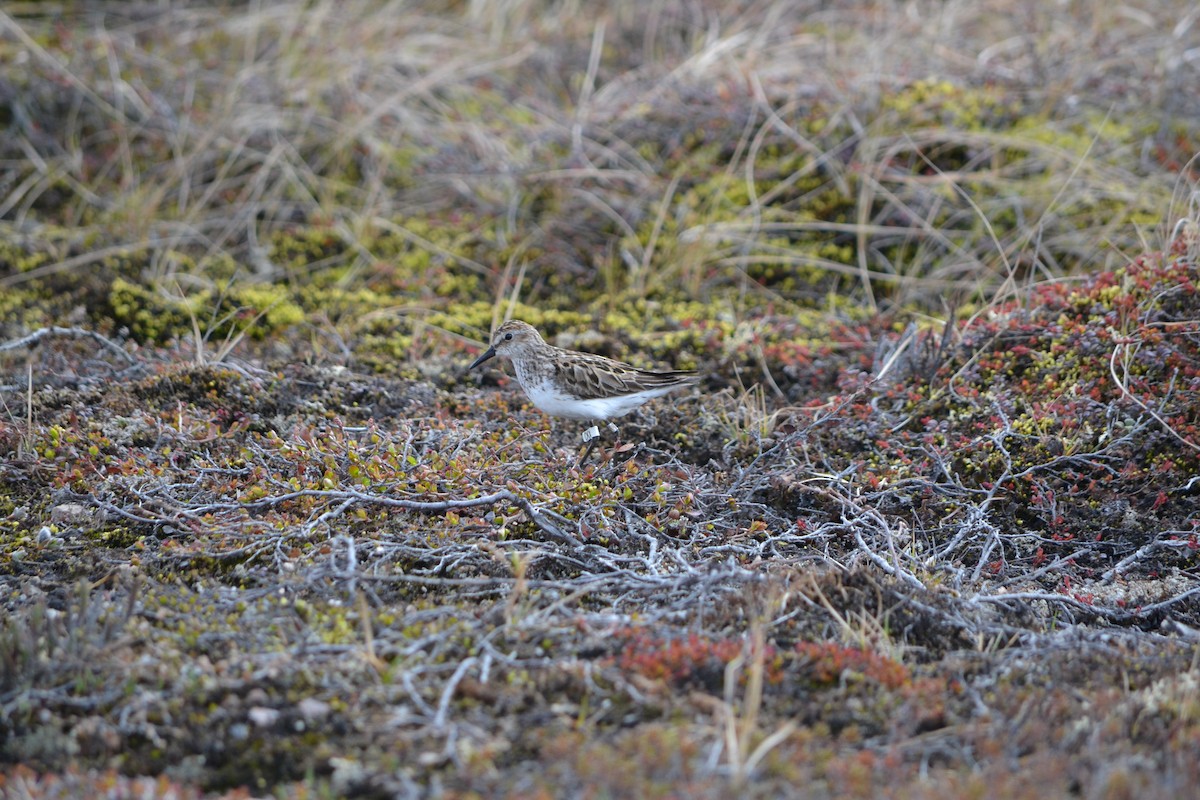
371 181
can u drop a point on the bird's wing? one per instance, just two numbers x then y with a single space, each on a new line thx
591 376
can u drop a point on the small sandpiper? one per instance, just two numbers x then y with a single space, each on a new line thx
567 383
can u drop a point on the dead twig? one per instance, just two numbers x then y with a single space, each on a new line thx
1104 612
33 339
547 521
1122 384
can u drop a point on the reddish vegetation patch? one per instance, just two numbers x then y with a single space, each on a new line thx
690 657
1051 442
830 662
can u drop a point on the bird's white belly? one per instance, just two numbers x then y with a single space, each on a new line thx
557 403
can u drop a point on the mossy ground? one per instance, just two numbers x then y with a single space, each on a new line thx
926 528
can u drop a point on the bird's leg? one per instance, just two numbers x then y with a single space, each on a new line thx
590 437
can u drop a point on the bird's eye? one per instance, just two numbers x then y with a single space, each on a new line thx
508 337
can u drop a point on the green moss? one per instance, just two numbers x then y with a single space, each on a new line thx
15 258
256 310
941 102
272 307
120 537
297 248
148 316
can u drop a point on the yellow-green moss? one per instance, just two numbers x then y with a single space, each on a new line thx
253 309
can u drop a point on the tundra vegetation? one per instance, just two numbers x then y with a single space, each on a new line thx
926 528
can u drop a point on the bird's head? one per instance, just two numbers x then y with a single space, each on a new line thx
512 339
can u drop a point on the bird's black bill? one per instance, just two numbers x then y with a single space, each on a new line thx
489 353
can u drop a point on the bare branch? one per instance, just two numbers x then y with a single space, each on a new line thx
33 339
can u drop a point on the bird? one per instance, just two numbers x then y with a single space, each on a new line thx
575 385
